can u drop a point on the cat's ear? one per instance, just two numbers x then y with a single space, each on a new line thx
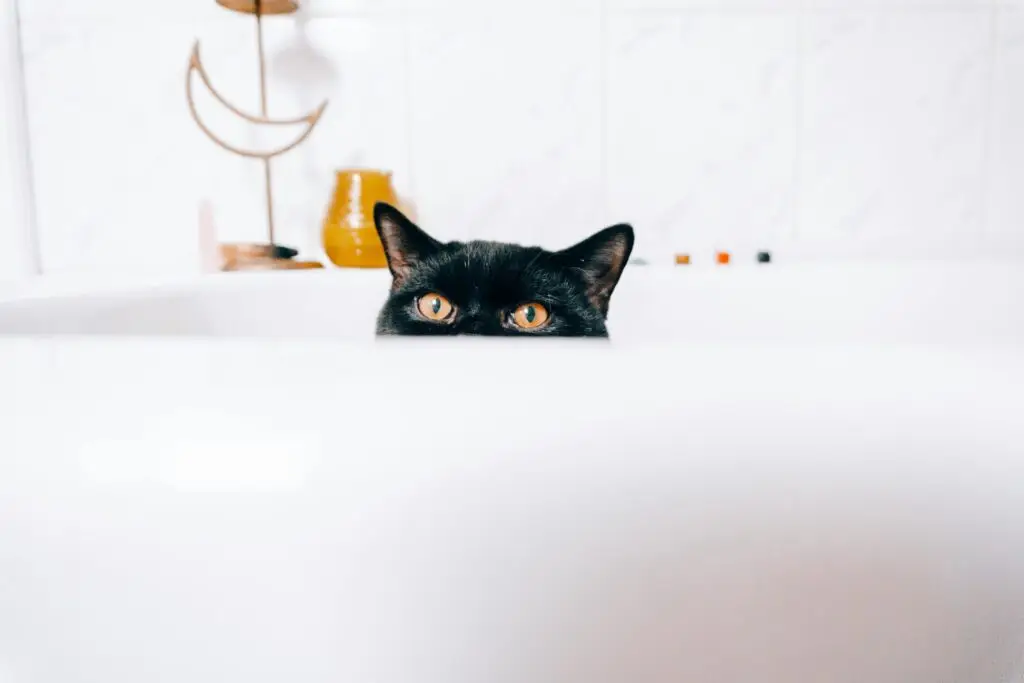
601 258
405 244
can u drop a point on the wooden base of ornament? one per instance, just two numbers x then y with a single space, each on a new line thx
255 256
268 7
271 264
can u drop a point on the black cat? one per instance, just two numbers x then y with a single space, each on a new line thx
491 288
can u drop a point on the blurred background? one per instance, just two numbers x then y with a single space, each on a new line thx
817 129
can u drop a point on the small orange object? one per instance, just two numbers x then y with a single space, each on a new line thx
682 259
723 257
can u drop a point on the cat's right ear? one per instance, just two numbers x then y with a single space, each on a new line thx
405 245
600 259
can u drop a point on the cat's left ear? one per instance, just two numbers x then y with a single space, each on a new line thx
405 244
601 258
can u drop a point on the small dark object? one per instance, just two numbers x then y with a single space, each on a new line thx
764 257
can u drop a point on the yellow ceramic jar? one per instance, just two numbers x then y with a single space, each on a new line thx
350 237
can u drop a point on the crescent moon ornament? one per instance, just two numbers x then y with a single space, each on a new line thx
270 255
196 65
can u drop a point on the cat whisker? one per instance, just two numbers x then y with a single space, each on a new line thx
533 260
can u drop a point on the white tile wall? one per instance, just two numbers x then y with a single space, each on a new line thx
118 165
702 153
505 125
880 128
894 128
358 63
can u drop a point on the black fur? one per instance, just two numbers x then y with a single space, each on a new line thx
486 281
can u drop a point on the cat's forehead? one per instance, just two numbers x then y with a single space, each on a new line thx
481 259
492 273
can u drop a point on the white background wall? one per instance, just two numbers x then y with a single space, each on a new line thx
18 256
816 128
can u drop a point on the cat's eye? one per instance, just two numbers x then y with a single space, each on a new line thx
530 316
434 307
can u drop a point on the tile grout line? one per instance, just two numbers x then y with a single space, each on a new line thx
798 118
386 14
987 154
31 208
603 113
823 10
410 152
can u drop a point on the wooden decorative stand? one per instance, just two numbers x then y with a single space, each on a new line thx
267 255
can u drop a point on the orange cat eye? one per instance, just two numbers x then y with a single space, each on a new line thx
530 316
434 307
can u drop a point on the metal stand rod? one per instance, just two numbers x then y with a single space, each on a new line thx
263 112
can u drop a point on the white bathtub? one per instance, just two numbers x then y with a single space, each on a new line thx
829 303
799 475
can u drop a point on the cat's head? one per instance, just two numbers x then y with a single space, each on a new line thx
492 288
